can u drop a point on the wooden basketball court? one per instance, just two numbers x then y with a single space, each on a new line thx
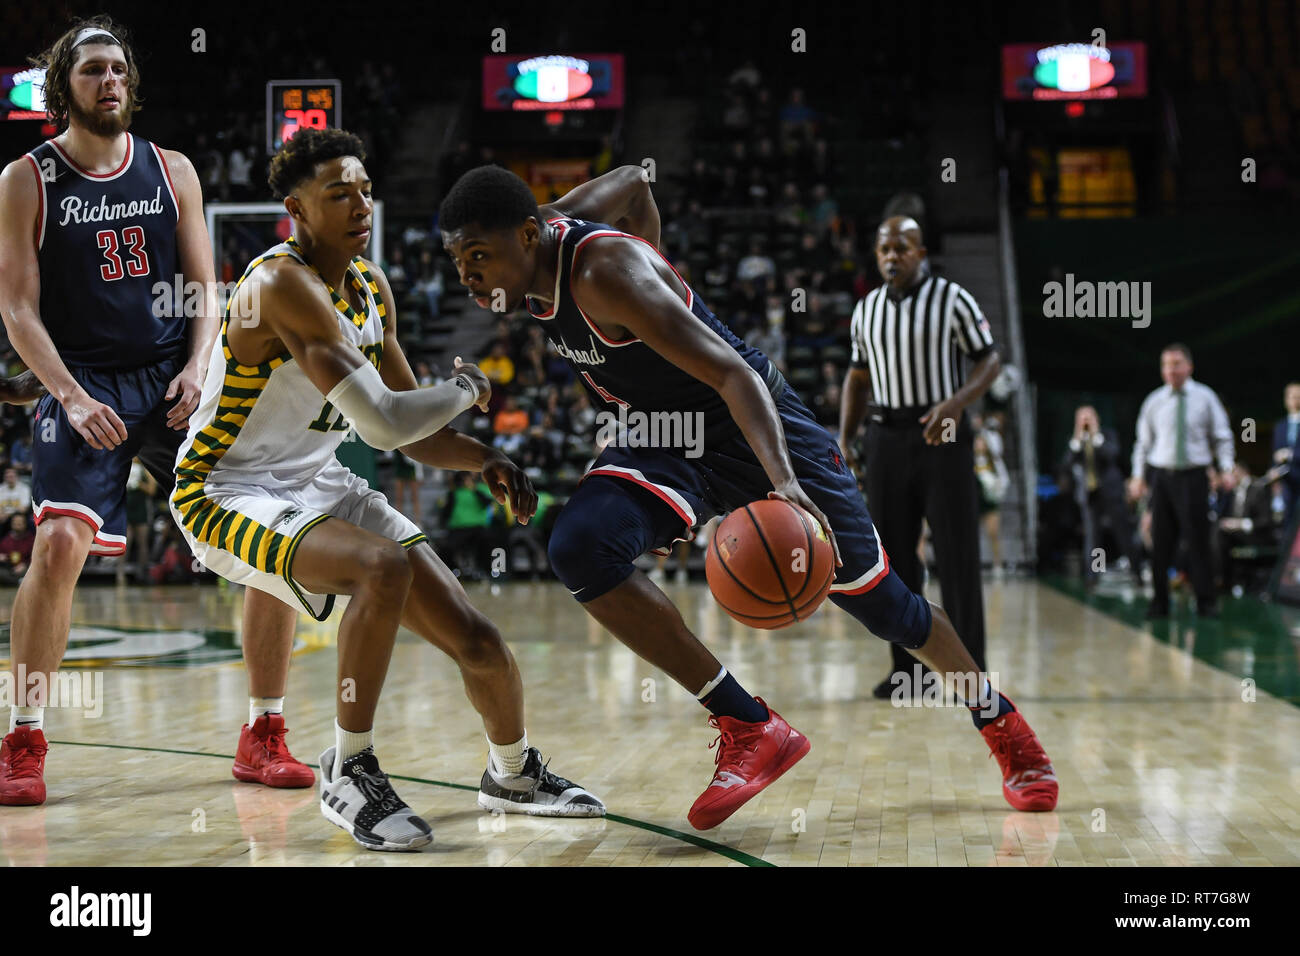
1162 758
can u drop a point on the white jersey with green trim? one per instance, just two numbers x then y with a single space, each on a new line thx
268 426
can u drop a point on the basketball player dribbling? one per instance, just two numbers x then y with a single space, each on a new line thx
264 502
641 339
89 223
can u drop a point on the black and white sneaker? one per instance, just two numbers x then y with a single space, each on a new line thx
362 801
536 791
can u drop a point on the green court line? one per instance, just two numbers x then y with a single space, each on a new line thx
1244 625
737 856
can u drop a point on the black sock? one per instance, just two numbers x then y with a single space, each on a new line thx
729 699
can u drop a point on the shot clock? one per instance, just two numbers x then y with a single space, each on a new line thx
292 105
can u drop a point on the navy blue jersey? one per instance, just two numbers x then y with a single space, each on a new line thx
104 242
629 372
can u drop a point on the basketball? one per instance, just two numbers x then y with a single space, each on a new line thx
770 564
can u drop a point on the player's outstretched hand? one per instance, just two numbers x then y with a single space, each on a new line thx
480 380
509 484
794 494
186 388
95 422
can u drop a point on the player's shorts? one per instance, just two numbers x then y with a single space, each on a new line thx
727 476
249 535
70 478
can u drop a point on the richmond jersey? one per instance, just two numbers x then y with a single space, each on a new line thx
106 245
630 373
268 426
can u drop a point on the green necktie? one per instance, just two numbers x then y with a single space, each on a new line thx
1180 436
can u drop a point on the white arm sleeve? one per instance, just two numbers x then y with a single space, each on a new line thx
386 419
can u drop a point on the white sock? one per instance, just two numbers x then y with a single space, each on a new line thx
508 759
709 687
986 698
257 706
33 717
348 743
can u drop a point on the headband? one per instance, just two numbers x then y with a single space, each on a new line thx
89 32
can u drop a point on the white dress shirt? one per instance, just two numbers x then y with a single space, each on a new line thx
1206 428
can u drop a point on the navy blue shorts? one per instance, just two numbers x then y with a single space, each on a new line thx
71 478
727 475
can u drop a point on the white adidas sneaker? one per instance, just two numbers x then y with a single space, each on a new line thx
359 798
536 791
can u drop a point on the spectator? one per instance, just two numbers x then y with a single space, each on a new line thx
240 173
467 515
770 340
791 213
424 374
1286 450
395 268
1245 525
993 484
826 404
406 486
582 417
16 545
430 284
498 366
756 267
825 212
736 116
15 495
20 454
1090 474
140 489
509 424
1182 429
798 119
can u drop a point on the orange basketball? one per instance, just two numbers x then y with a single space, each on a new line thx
770 564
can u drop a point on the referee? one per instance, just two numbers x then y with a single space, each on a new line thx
906 377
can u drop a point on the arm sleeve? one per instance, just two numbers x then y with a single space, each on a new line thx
386 419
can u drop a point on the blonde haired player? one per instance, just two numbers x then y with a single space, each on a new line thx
307 350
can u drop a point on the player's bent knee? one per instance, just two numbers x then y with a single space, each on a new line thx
63 542
586 560
384 568
891 611
481 647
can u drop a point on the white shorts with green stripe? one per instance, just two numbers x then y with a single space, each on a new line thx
249 535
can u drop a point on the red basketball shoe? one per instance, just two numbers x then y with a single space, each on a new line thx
22 768
263 756
1028 780
750 756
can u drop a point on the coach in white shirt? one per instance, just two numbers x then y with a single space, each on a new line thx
1182 430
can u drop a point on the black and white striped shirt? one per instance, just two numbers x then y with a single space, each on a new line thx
910 345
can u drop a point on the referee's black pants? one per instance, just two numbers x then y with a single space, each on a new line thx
906 480
1180 504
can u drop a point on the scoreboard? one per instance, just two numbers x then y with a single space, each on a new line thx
292 105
